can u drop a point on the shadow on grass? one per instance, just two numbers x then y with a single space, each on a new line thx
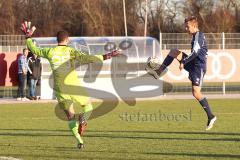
55 155
162 138
41 147
207 155
169 132
124 131
92 156
120 134
202 155
59 156
30 129
17 134
118 137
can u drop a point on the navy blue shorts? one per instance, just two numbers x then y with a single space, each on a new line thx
196 75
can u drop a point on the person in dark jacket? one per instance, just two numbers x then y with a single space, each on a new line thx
34 71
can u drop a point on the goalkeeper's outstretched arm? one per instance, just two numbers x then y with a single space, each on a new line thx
28 31
41 52
85 58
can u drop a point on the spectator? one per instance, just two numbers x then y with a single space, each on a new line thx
22 75
34 70
30 54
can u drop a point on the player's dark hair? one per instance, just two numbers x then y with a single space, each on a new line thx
61 36
190 18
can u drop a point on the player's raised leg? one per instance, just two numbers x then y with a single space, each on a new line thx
174 53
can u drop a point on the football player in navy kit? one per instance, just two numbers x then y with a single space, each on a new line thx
194 63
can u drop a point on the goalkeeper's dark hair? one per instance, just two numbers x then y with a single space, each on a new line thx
61 36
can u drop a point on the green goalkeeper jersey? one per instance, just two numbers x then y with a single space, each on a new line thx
62 61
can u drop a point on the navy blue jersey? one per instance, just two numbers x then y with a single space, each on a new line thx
198 56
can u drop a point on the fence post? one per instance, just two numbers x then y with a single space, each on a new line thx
223 40
223 48
154 49
160 41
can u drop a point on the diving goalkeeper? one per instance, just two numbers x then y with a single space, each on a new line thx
61 59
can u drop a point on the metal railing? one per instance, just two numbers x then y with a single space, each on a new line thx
214 40
15 43
12 43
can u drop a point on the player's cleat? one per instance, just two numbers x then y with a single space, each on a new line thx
211 123
80 146
81 128
155 73
82 124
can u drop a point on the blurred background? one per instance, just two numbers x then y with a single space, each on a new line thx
106 17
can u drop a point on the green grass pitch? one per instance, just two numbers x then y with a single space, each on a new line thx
32 131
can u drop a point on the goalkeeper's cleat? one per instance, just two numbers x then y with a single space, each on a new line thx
157 73
81 128
211 123
82 124
80 146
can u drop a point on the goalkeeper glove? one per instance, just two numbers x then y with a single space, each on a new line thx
111 54
27 29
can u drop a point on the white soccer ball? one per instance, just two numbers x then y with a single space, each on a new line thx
154 62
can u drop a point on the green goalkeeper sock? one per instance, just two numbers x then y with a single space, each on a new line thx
73 125
87 111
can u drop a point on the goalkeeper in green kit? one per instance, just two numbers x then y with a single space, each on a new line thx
61 59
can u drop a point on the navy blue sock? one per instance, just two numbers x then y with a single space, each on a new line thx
206 107
168 60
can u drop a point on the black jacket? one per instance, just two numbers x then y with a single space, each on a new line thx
34 68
